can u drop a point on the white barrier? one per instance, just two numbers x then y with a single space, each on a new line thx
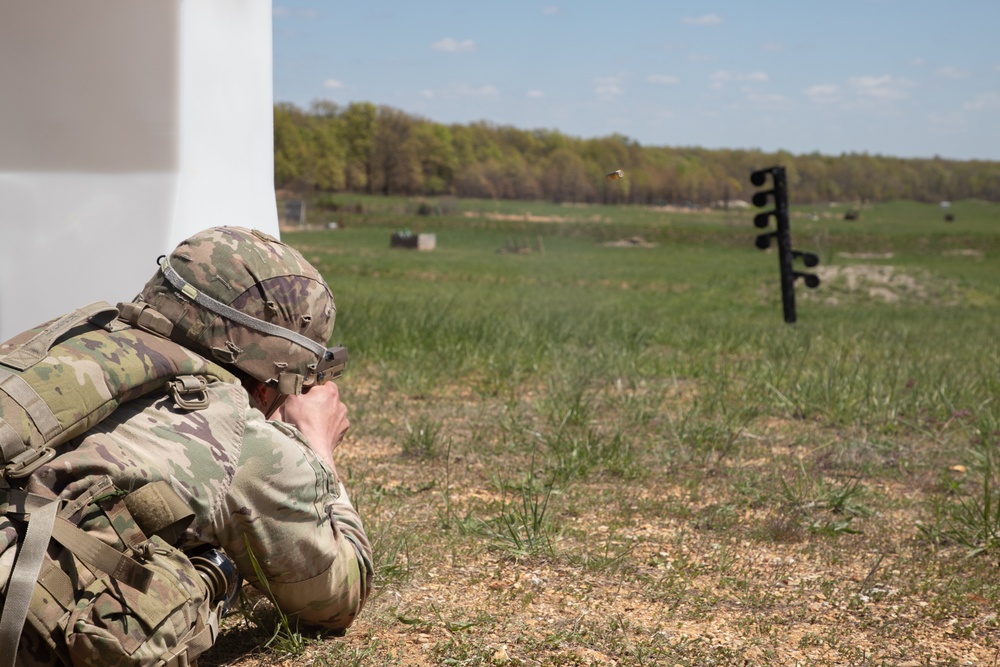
124 128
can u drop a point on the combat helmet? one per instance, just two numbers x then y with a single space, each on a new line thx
247 300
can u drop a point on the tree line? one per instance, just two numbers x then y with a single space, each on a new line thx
371 149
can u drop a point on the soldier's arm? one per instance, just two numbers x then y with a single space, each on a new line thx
320 416
289 510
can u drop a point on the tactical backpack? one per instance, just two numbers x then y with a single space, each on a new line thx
126 596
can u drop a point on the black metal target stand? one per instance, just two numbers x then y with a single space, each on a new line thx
785 253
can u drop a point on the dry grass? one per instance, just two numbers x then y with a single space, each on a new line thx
598 456
788 543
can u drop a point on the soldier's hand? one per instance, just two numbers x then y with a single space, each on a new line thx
320 416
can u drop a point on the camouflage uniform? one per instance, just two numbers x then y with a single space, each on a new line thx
256 488
249 481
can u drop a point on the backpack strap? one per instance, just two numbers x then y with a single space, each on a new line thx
18 458
140 315
95 553
41 414
84 546
42 514
201 638
158 509
11 443
30 353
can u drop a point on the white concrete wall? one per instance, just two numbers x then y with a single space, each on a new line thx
125 127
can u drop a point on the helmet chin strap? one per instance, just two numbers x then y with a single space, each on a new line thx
221 309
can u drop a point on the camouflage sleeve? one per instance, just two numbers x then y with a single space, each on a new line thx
289 514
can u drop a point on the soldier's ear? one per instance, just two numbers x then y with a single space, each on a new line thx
263 396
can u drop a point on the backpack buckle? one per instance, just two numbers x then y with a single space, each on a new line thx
28 461
189 392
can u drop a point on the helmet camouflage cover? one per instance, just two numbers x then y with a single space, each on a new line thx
246 299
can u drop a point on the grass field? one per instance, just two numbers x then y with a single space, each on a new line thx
597 455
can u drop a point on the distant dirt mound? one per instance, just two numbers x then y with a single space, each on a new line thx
865 255
965 252
632 242
889 284
523 217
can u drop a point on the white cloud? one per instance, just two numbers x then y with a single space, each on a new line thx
951 73
867 93
984 102
461 90
918 62
663 78
454 46
333 83
773 47
535 94
997 67
824 93
707 19
608 87
279 10
879 88
766 101
722 77
475 91
484 91
551 11
726 75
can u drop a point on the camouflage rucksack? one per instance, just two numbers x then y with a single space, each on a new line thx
98 578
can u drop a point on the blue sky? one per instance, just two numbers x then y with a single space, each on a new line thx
907 78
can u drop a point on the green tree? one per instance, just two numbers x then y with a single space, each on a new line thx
328 158
358 126
364 148
396 165
564 177
290 146
433 148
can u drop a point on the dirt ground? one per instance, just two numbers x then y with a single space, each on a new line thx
782 542
663 573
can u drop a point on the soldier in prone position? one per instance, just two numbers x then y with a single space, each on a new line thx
156 454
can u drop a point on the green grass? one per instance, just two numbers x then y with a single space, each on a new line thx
539 434
687 309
